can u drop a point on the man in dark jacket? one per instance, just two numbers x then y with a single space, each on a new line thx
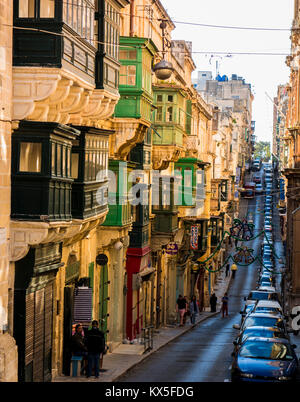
95 342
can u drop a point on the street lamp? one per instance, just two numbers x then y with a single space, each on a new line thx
164 69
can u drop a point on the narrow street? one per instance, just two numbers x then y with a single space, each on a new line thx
204 354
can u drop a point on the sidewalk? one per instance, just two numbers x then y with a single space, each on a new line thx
118 364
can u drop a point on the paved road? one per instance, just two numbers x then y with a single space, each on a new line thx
204 353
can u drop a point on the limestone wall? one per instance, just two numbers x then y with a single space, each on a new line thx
8 350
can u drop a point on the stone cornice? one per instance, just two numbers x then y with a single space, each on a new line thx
24 234
163 155
128 133
58 95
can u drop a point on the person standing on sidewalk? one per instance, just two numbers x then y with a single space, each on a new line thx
194 309
227 269
213 303
95 341
224 308
181 308
78 347
233 270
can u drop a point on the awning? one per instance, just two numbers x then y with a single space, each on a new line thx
146 271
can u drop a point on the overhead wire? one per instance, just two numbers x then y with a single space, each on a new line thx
142 46
71 3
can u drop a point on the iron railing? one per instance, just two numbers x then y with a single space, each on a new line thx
148 338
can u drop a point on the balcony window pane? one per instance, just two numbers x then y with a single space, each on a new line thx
66 11
47 8
68 170
58 159
80 12
75 13
131 75
64 161
30 157
75 160
159 113
86 168
26 8
170 114
53 158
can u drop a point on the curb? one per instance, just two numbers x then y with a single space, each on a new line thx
144 357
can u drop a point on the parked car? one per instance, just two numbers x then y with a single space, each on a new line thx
257 179
266 306
265 359
261 295
263 332
248 308
264 320
259 189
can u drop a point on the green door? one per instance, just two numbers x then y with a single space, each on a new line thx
103 299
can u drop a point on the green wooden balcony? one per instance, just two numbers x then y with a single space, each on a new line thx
135 84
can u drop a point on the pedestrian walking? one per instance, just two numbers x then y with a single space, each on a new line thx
213 303
187 313
224 308
233 270
194 309
95 341
78 347
227 269
181 308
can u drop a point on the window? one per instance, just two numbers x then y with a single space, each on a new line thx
170 114
170 98
128 55
29 8
159 98
30 157
79 15
159 113
128 75
26 8
112 28
47 8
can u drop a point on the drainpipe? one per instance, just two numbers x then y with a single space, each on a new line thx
131 33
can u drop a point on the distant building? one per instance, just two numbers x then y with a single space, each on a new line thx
200 81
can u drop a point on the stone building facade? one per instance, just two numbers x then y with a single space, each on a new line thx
8 349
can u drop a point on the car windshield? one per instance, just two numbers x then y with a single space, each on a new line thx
252 321
262 296
266 350
256 332
271 309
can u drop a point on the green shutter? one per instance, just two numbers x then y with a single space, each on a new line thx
188 124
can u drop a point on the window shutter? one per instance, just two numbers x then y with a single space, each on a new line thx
39 326
83 304
29 329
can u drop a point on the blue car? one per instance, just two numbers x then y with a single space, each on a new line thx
265 359
264 332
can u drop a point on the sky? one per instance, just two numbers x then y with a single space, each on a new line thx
264 73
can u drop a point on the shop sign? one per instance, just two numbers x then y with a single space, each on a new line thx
172 248
101 259
194 237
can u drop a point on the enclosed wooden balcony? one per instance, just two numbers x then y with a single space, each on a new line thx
63 71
